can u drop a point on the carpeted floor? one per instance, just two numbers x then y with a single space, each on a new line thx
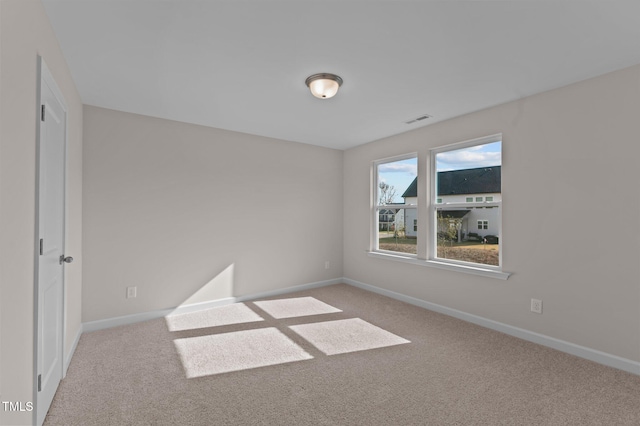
335 355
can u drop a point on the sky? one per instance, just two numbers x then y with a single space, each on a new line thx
469 158
400 174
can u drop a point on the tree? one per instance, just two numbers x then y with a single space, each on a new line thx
387 193
447 233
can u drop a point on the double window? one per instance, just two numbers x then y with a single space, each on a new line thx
462 209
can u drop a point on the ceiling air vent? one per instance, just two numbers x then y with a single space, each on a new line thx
415 120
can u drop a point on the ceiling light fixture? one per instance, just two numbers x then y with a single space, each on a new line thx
323 85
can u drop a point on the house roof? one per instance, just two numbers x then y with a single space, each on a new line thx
412 190
481 180
388 211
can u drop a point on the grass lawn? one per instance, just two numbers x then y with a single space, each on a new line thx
403 245
471 251
391 240
467 251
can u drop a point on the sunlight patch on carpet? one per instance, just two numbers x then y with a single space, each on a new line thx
349 335
237 313
295 307
241 350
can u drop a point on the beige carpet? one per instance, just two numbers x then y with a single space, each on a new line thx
349 358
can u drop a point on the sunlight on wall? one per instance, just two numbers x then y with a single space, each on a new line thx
220 287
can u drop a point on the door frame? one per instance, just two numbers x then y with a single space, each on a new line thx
43 74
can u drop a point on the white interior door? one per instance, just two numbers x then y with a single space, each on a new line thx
50 244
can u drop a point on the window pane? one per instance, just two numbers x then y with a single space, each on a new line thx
456 241
397 186
466 175
395 235
397 182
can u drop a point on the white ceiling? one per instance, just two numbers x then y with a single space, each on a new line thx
241 64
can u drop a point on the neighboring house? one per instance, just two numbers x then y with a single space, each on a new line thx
478 185
386 219
411 216
391 219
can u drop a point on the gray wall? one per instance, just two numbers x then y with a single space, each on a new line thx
188 213
25 32
571 233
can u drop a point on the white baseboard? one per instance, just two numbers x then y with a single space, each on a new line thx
561 345
145 316
201 306
67 358
123 320
287 290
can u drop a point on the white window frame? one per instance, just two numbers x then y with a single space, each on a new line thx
375 234
433 207
426 209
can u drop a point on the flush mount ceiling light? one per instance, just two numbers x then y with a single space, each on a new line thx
323 85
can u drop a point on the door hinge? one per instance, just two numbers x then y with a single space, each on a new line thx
39 382
41 246
42 113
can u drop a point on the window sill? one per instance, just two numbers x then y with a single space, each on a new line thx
491 273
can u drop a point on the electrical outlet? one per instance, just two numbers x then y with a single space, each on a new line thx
327 265
132 292
536 306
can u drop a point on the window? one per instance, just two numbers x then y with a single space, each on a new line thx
396 199
462 214
461 230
